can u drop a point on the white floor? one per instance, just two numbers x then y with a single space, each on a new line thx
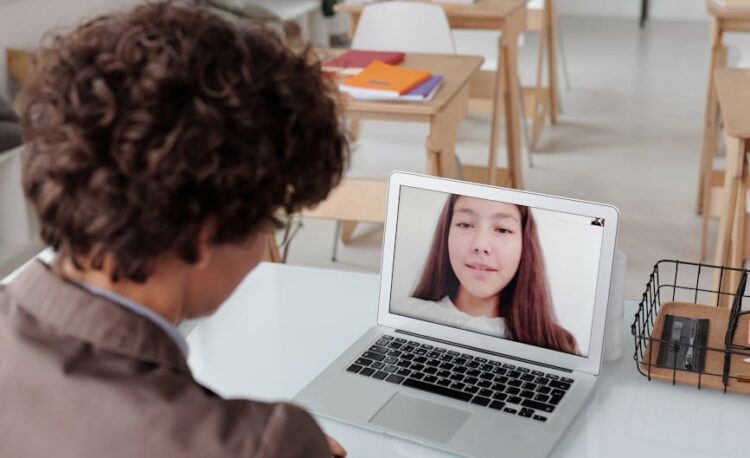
629 135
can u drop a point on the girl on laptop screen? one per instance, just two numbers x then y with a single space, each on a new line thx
485 273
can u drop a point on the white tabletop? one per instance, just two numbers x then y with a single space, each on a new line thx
284 325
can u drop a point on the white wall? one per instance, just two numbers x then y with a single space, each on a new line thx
24 22
659 9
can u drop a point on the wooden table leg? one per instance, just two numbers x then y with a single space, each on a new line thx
506 87
733 180
552 64
441 141
710 131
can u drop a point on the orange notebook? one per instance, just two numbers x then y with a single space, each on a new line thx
387 80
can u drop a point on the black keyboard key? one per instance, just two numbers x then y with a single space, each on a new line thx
446 358
471 380
403 363
485 392
433 362
537 372
394 345
514 400
363 362
408 357
528 413
502 379
466 356
355 368
529 386
497 405
500 396
486 367
539 418
541 397
487 376
498 387
473 373
407 349
394 379
433 354
379 349
458 385
436 389
496 363
553 377
527 394
509 366
373 356
514 374
380 375
390 360
481 360
537 405
430 379
510 410
382 341
544 389
444 382
484 384
453 353
456 377
459 361
460 369
481 401
413 343
426 346
541 380
377 365
560 385
394 353
446 366
443 373
567 380
416 367
430 370
386 337
417 375
390 368
500 371
515 382
555 400
403 372
420 351
471 389
512 390
367 371
420 359
559 393
441 350
472 364
528 377
524 370
400 340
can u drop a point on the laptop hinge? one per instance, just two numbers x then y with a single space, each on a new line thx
481 350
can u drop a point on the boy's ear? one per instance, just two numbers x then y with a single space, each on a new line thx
204 249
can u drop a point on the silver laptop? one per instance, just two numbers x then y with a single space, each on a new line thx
490 321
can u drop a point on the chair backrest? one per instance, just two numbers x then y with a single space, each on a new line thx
404 26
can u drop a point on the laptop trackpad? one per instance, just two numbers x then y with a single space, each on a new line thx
420 418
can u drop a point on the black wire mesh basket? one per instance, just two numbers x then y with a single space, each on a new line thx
677 292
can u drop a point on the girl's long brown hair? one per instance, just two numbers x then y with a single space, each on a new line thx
524 303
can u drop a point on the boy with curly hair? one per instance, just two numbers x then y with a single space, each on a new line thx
162 144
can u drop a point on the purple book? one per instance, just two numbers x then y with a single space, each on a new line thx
424 89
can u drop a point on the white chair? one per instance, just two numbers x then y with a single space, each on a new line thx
738 44
392 26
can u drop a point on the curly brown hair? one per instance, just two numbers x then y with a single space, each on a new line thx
141 126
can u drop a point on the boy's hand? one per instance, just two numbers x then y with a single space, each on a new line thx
336 449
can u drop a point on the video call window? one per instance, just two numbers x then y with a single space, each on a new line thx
500 269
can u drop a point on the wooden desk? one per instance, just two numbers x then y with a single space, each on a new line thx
733 90
443 113
723 20
499 88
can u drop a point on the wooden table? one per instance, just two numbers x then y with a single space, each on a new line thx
723 20
733 90
499 88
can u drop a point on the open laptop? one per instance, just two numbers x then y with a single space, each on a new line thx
490 321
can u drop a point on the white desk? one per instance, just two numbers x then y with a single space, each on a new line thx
284 324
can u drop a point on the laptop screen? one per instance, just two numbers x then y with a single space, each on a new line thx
495 268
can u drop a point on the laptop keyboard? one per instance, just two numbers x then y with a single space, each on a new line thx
488 383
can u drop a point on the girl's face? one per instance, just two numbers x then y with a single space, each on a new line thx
484 245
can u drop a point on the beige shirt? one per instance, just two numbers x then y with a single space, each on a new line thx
445 312
83 377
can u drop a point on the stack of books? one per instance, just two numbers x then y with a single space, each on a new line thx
382 81
354 60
